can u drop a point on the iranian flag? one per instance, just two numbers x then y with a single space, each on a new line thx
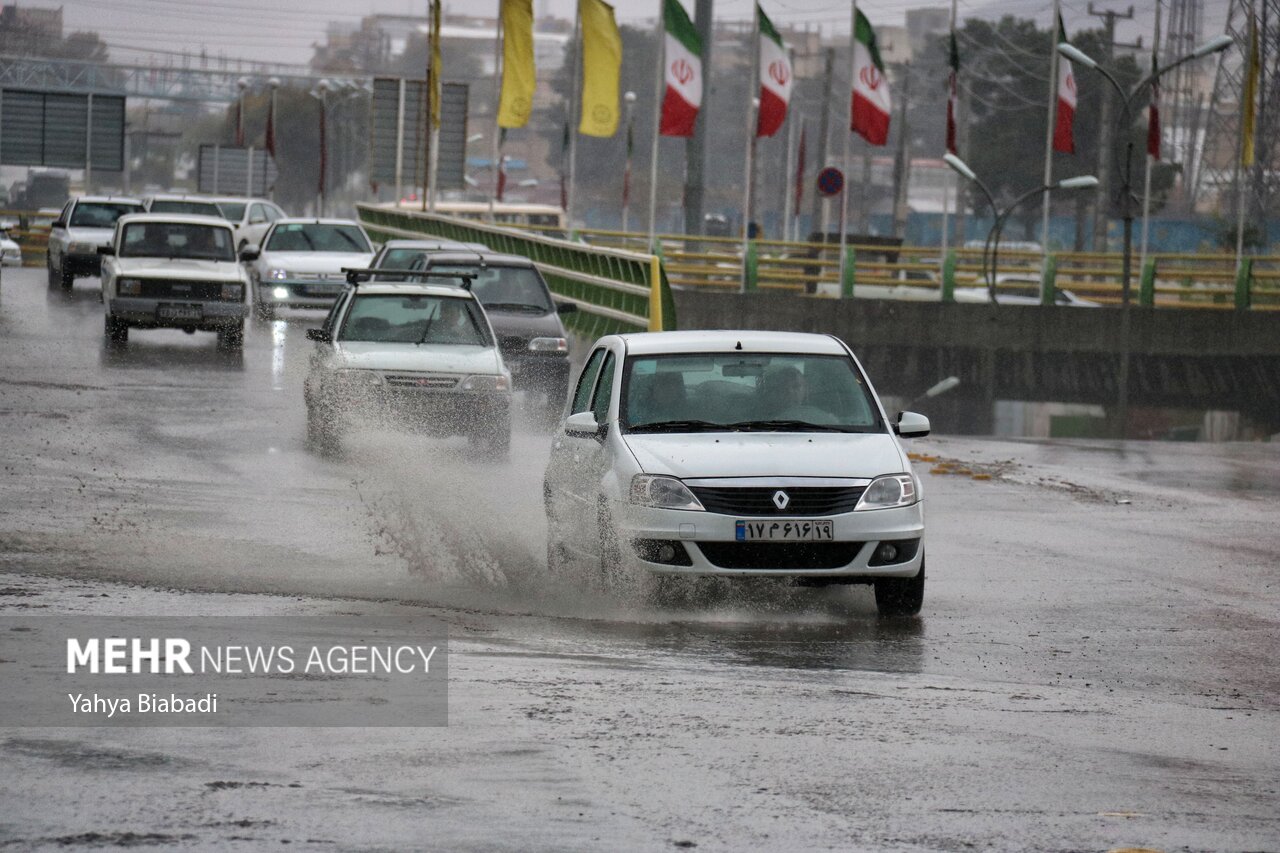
775 77
1063 137
869 114
683 57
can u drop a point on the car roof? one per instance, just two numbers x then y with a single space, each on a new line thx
246 199
411 288
124 199
656 343
311 220
178 218
487 258
180 197
442 242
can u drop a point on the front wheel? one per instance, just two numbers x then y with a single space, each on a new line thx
115 331
231 337
53 277
66 278
900 596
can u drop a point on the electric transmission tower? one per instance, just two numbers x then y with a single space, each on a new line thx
1216 173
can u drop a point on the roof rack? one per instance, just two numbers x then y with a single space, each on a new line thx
355 275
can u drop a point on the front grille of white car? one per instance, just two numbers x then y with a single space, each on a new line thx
422 381
764 500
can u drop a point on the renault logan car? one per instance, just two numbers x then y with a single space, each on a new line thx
176 271
417 356
736 454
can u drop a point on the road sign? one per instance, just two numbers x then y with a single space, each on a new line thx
830 181
62 130
225 170
397 155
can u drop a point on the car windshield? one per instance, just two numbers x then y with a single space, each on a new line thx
502 288
199 208
232 211
177 240
416 319
317 237
101 214
742 391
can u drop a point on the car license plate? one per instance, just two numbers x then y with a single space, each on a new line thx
790 530
181 312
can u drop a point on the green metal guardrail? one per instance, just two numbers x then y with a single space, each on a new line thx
615 290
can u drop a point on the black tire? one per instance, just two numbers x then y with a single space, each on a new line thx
323 431
116 332
900 596
66 279
231 337
53 278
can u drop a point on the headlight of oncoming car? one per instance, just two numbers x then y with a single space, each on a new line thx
128 286
359 377
548 345
82 248
662 492
891 491
232 292
486 382
277 274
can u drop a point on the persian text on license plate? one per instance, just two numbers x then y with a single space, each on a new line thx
790 530
181 312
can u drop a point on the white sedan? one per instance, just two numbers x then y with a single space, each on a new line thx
302 261
736 454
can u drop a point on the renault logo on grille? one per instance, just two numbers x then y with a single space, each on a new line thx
781 499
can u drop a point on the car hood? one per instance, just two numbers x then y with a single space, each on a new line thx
97 236
512 323
180 268
768 454
314 262
431 358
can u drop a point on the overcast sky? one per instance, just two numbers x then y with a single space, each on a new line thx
284 30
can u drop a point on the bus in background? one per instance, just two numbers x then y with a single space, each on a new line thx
548 219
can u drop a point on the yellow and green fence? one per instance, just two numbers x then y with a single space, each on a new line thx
616 290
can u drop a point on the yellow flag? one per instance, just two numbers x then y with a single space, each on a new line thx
436 65
518 81
601 67
1249 114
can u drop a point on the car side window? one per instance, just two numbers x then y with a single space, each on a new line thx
331 321
272 212
257 213
604 390
65 216
586 382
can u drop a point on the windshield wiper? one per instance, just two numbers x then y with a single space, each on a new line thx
426 330
680 426
515 306
789 426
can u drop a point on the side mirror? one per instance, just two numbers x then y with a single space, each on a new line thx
911 425
583 425
320 336
106 250
566 308
250 253
58 223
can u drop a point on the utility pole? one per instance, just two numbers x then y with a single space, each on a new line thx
696 147
824 130
1102 208
901 163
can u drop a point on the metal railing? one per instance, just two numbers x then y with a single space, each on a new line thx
615 290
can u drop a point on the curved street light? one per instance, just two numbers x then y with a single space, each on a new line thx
992 245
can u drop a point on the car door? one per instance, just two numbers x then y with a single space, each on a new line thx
257 223
58 236
593 461
564 500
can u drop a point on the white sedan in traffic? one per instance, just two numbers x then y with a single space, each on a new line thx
736 454
302 261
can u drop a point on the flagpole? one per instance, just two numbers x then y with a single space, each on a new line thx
573 117
660 47
789 201
1053 120
1244 107
948 176
753 110
844 162
437 90
1146 179
497 107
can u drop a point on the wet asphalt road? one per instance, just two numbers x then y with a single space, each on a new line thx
1095 667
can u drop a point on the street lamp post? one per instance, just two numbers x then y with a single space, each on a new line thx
322 88
1215 45
629 99
992 245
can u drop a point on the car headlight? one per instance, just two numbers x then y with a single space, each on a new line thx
891 491
277 274
662 492
128 287
280 293
233 292
83 248
549 345
359 377
486 382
